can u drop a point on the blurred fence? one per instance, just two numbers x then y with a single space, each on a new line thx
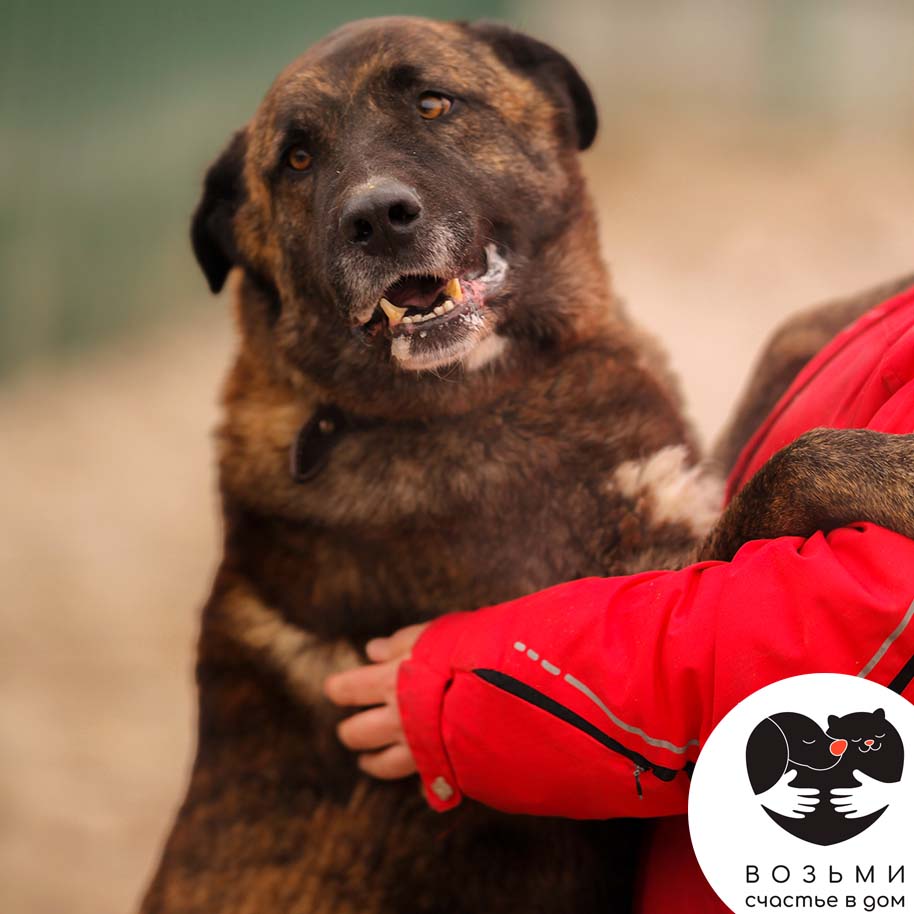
810 59
109 112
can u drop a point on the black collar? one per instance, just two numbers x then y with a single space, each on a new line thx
318 437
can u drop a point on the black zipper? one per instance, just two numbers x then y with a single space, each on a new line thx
904 677
534 697
638 772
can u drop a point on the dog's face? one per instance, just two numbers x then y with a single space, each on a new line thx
391 201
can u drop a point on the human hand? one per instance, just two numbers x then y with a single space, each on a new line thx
869 797
791 802
376 733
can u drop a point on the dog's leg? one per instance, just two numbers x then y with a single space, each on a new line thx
788 351
825 479
301 659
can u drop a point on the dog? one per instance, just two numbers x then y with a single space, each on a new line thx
437 404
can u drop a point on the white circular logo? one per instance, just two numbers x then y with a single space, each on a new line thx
803 797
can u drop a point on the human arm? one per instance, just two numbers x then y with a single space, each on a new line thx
592 699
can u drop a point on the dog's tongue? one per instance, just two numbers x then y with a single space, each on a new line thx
417 292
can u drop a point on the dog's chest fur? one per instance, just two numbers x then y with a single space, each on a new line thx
558 479
409 520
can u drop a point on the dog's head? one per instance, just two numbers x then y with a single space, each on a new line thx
394 200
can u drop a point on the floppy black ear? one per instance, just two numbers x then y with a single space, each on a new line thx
767 756
211 232
550 69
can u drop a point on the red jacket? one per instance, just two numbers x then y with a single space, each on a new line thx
592 699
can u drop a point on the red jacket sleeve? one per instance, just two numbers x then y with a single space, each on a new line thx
592 699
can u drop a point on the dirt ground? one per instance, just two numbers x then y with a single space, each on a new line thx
107 491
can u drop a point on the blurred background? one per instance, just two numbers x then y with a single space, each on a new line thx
754 157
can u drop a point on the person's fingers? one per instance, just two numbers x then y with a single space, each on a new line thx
372 729
807 793
399 643
378 649
790 777
365 685
389 764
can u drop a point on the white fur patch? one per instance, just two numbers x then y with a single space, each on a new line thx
676 491
303 660
473 355
487 351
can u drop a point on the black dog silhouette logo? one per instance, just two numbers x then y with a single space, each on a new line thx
825 786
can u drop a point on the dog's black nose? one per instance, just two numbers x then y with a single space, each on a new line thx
383 218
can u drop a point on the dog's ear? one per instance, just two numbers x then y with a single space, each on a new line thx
767 756
549 69
212 233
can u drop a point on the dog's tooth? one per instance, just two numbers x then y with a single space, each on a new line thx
453 290
407 320
394 314
439 310
448 306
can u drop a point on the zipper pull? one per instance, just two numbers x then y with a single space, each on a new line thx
638 772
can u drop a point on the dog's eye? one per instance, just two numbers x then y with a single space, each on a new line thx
432 105
299 159
808 742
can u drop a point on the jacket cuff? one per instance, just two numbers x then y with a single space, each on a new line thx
422 683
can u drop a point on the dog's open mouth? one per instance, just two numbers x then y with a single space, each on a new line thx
414 300
433 321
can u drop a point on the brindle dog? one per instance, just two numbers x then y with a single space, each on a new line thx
437 404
